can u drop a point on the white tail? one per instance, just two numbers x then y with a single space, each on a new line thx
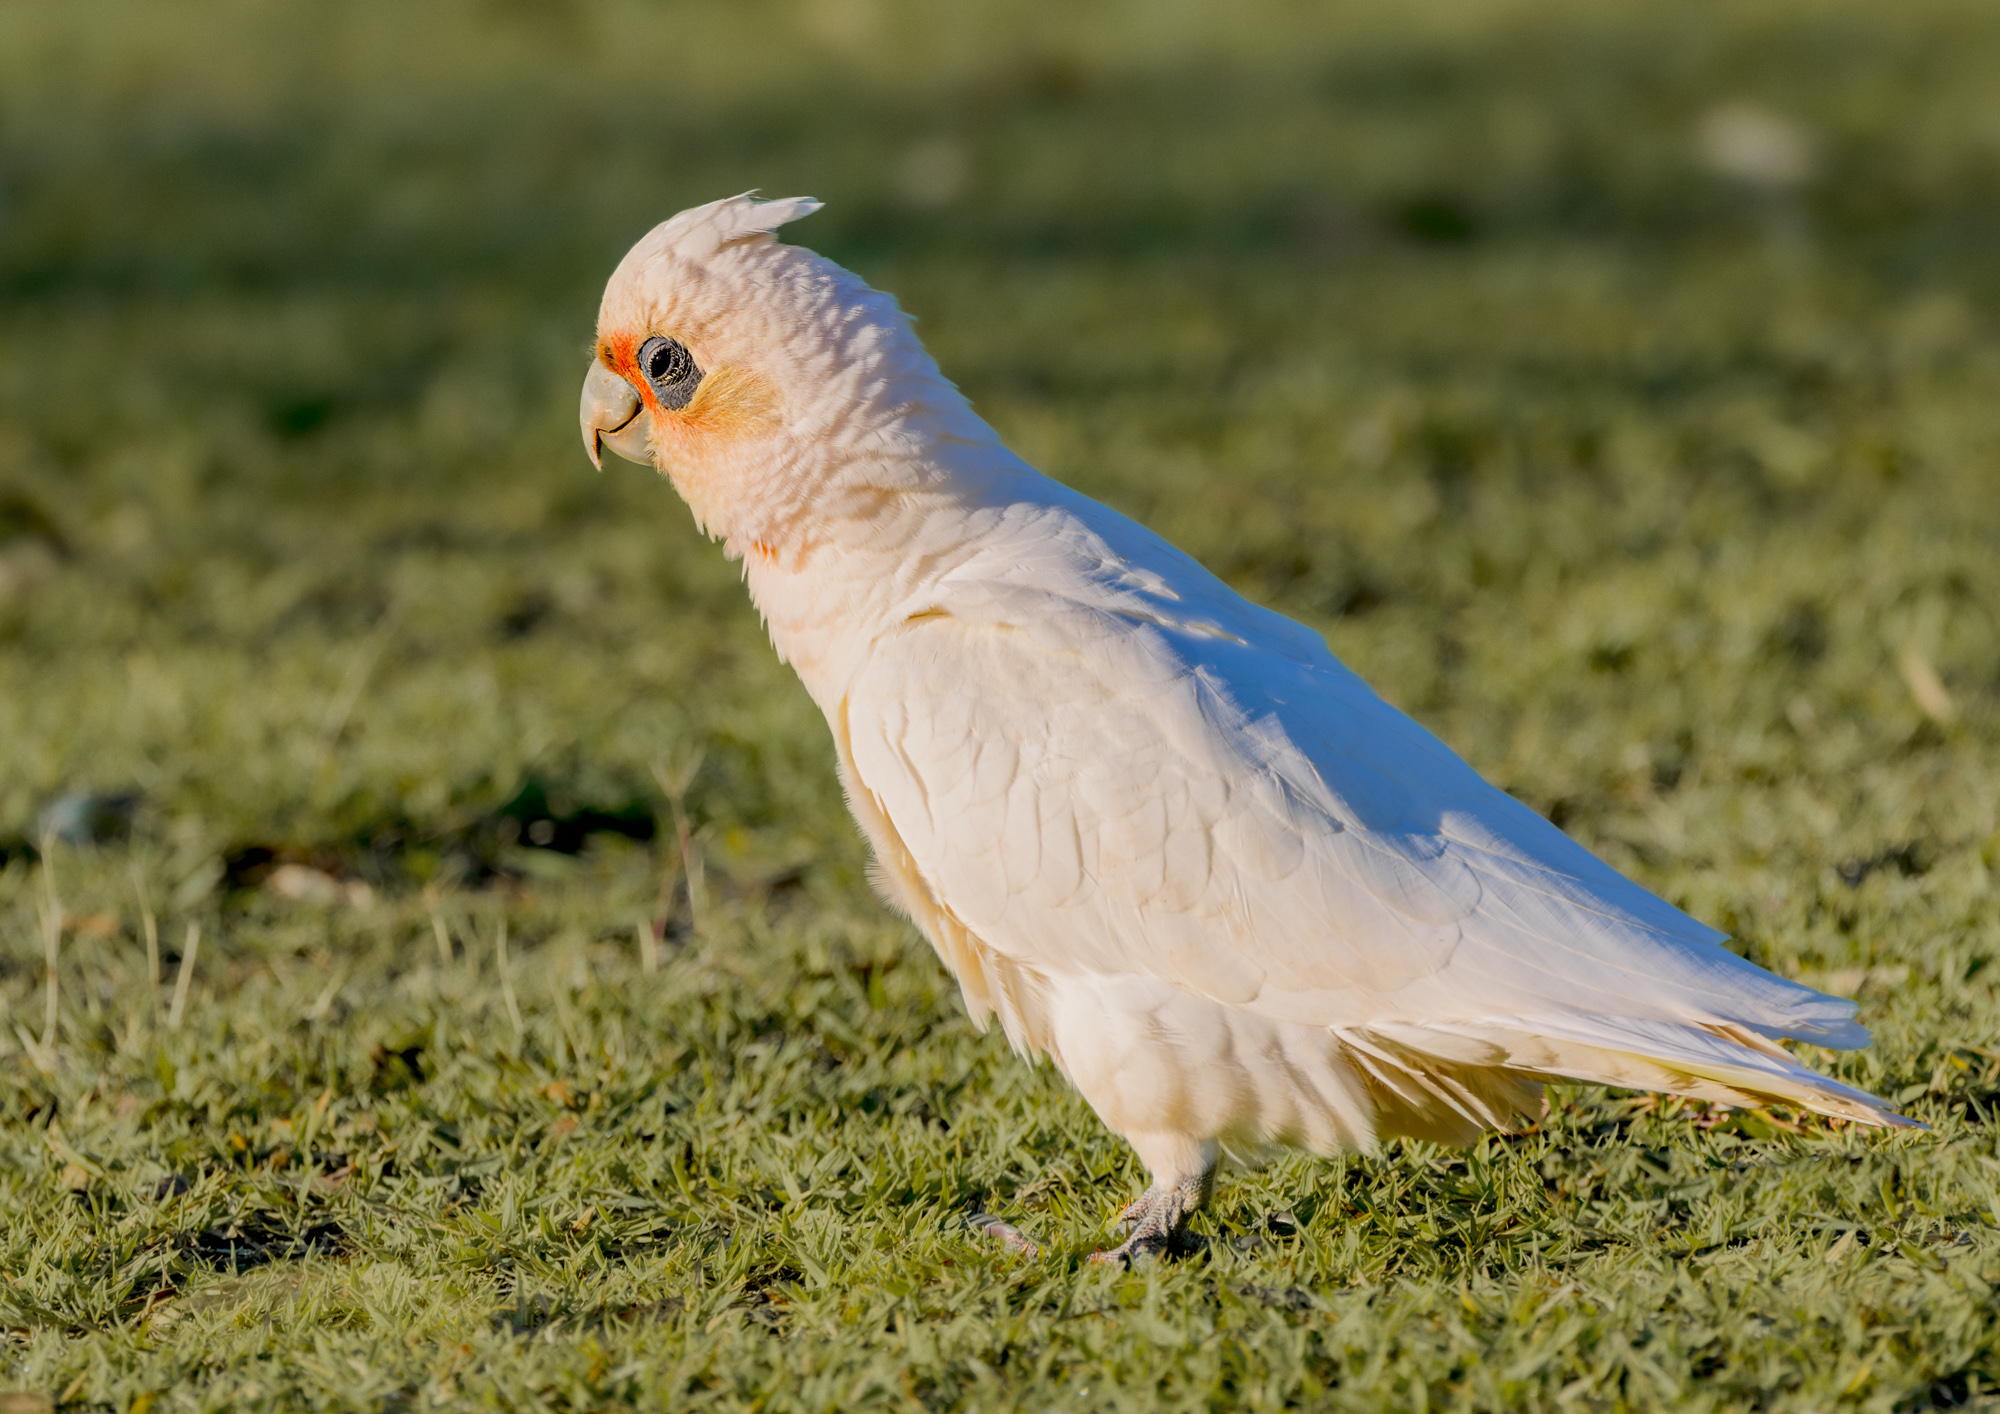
1719 1061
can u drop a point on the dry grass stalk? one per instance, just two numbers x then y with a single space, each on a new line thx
649 947
51 941
150 926
323 1003
674 779
1926 687
183 977
442 934
507 983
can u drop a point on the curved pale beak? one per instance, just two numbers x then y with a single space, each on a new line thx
613 417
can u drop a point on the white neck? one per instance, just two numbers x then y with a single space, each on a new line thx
872 555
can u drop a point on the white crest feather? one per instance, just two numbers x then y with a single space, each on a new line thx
703 230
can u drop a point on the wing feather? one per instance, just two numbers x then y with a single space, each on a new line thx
1088 790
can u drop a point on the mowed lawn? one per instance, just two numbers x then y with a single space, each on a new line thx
436 967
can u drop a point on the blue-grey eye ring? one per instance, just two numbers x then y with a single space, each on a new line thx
671 370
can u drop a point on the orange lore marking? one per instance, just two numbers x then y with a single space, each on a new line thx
620 354
729 400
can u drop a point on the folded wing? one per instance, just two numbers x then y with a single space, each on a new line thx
1089 789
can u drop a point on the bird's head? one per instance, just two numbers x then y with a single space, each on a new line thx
772 387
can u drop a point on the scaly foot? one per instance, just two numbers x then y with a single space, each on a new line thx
1156 1218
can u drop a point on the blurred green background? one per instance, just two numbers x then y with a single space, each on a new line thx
1614 385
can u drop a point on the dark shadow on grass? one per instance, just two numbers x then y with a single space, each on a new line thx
258 1239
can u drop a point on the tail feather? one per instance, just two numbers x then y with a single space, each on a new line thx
1718 1061
1448 1095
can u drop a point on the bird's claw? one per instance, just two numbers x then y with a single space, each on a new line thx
1156 1218
1139 1247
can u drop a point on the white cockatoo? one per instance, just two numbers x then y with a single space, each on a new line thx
1160 833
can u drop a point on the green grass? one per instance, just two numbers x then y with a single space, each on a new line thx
1669 503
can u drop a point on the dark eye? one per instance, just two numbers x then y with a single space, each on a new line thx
671 369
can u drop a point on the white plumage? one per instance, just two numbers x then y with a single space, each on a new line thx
1160 833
